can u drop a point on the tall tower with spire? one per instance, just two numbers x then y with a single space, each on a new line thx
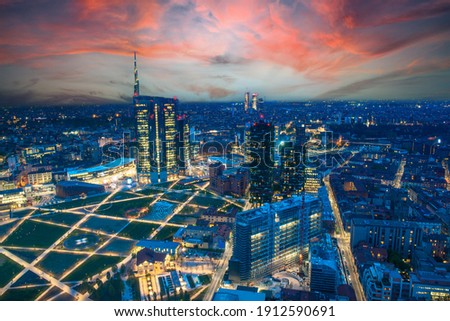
159 136
136 78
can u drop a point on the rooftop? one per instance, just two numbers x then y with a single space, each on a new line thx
115 163
150 256
365 222
295 201
158 244
237 295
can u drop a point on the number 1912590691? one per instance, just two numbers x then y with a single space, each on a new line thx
295 310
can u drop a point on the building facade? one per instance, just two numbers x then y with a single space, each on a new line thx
40 177
402 237
272 237
259 158
291 168
162 136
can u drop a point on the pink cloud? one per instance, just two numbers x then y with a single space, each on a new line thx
317 39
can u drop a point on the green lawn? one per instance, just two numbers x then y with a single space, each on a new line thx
189 210
179 197
184 187
78 203
5 228
207 201
21 213
50 293
61 218
118 246
183 219
138 230
56 263
8 270
124 196
104 224
93 241
94 265
35 234
30 278
26 255
150 191
119 208
166 233
23 294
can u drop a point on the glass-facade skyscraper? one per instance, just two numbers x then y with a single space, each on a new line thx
273 237
291 168
142 106
157 136
259 158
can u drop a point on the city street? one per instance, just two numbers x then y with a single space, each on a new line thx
343 239
220 272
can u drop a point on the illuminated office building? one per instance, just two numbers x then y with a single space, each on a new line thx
255 102
156 123
312 179
163 146
141 110
259 157
291 168
183 143
156 134
246 101
272 237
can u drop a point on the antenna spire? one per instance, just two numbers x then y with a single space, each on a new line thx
136 78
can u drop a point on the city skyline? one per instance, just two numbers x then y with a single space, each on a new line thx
82 53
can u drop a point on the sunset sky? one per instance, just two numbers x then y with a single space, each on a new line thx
65 52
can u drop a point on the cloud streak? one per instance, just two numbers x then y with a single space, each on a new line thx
284 44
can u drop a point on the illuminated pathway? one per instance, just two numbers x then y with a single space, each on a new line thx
21 220
89 211
177 210
32 268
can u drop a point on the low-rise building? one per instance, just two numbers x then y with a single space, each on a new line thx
40 177
431 285
402 237
149 261
66 189
213 216
172 248
383 282
13 198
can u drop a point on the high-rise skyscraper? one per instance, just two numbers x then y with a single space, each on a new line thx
163 146
126 142
255 102
141 110
259 157
272 237
183 143
246 101
136 78
157 135
291 168
312 178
